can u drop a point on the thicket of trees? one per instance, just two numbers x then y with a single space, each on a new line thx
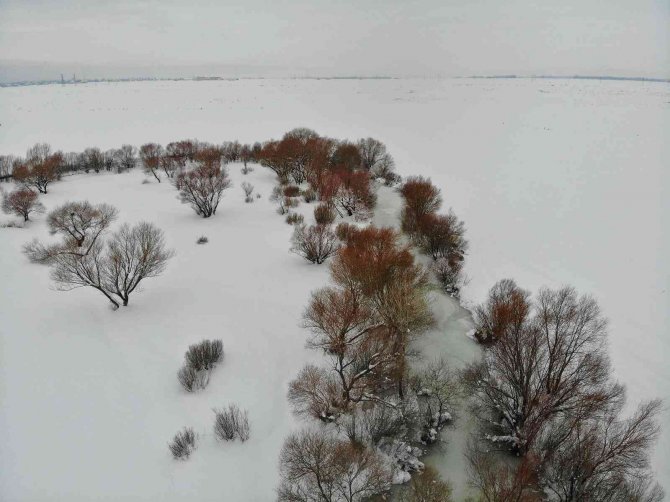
441 236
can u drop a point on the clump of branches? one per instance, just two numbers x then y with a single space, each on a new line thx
231 423
183 444
248 189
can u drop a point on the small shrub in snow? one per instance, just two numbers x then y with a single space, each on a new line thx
248 189
291 191
204 355
191 379
231 423
183 444
246 169
145 181
202 240
294 218
258 196
315 243
324 214
309 195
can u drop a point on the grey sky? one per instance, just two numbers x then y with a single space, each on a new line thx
399 37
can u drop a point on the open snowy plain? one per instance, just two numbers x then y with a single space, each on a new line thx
558 181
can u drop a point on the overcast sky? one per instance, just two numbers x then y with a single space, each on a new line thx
364 37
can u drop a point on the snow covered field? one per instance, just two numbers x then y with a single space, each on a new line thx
558 182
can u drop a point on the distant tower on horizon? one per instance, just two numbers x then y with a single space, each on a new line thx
62 79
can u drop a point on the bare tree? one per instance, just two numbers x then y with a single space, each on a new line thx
126 157
40 168
21 202
603 458
315 243
94 159
506 308
202 188
6 166
316 467
131 255
80 224
542 370
231 423
151 154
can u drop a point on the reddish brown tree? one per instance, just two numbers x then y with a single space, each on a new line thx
22 202
354 196
150 155
202 187
442 236
40 168
421 198
506 308
346 156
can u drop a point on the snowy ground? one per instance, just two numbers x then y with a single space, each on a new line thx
558 182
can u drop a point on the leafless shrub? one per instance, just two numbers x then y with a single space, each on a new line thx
248 189
202 240
204 355
294 219
231 423
316 243
450 277
246 169
324 214
291 191
191 379
183 444
309 195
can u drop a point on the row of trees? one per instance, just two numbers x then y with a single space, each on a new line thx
366 398
544 393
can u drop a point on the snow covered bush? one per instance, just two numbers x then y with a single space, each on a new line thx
324 214
204 355
294 219
315 243
437 390
116 267
231 423
202 187
183 444
309 195
192 379
21 202
450 277
291 191
248 189
316 466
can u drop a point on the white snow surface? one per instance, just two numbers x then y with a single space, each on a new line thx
559 182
